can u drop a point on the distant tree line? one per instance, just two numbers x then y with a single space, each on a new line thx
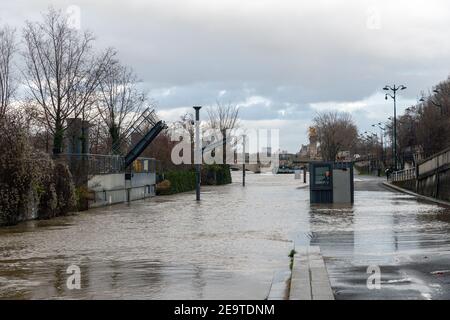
424 128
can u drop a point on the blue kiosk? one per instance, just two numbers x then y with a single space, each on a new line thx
331 182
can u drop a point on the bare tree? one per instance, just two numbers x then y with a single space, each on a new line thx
161 149
7 83
98 137
225 119
425 126
336 132
61 73
432 129
120 102
187 124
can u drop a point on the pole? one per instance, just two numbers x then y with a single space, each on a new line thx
243 164
394 90
395 129
197 156
382 146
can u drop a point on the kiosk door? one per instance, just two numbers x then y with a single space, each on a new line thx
321 182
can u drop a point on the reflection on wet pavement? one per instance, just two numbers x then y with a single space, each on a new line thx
407 239
230 245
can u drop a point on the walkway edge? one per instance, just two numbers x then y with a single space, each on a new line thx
310 279
419 196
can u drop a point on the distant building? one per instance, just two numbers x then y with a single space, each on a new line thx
310 151
313 139
303 153
267 151
344 156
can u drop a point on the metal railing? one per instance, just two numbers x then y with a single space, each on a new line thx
92 164
403 175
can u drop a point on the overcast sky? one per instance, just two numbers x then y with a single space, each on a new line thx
281 61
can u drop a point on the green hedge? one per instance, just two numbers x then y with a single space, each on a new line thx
180 181
216 174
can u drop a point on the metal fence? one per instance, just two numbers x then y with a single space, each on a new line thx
92 164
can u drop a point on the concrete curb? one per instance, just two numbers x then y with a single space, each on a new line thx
419 196
310 279
279 288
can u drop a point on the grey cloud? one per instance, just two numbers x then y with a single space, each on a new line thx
290 52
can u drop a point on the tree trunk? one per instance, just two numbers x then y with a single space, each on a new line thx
114 132
58 137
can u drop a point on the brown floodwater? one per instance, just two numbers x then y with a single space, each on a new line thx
230 245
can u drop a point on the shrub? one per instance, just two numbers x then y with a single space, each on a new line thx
17 173
65 189
83 195
180 181
28 176
163 188
216 174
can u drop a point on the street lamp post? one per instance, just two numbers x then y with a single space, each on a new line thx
370 139
438 105
382 130
197 154
394 90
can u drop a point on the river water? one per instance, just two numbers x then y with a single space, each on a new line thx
230 245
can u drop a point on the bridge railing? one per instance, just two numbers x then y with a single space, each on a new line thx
403 175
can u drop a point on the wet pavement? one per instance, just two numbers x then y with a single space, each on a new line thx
230 245
407 239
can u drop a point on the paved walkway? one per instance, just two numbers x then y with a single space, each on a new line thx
309 276
307 281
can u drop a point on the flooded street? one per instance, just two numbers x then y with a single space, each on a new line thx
230 244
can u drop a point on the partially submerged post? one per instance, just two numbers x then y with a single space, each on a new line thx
243 164
197 153
304 173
